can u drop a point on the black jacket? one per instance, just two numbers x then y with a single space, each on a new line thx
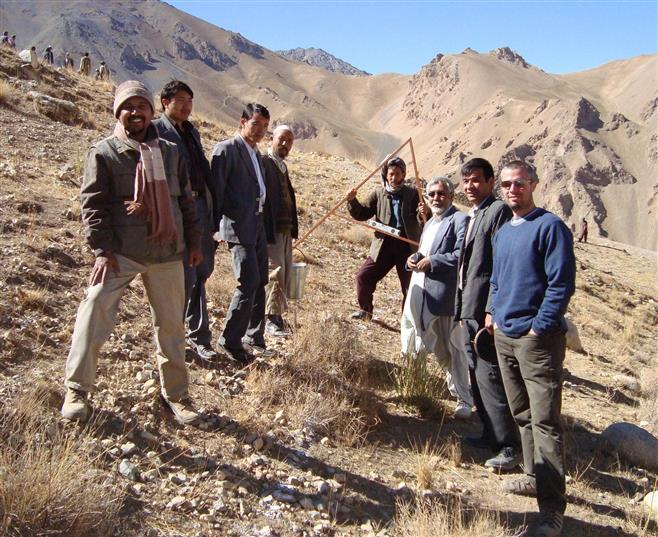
273 179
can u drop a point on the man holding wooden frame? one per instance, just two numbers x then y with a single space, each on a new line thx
396 205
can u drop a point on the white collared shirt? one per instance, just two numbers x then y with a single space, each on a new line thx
261 182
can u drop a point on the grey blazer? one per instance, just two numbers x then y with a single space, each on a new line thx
441 280
235 192
476 260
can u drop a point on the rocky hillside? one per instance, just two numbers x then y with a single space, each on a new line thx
321 58
335 435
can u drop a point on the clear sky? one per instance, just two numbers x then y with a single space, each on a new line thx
395 36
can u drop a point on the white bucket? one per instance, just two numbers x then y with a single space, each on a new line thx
298 272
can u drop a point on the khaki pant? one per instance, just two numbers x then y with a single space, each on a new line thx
280 255
97 316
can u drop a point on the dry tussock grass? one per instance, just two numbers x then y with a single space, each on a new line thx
321 386
357 235
648 408
429 518
49 485
427 459
6 92
31 299
418 383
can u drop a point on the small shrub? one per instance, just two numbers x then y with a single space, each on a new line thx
49 484
429 518
357 235
416 384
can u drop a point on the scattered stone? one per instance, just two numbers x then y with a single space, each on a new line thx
307 503
636 445
324 441
284 497
651 502
128 449
129 470
177 502
628 382
573 338
259 444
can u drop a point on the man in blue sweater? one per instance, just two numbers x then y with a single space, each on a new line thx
534 272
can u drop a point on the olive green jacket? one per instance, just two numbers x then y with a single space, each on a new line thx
109 182
378 205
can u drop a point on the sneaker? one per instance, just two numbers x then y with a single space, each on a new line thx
550 524
203 350
507 459
238 356
259 350
362 315
75 405
463 411
524 486
183 411
275 330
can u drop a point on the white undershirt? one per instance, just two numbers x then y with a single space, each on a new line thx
261 183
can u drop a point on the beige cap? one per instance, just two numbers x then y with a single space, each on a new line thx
128 89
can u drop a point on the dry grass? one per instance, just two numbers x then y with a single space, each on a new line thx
357 235
648 408
49 484
427 460
417 383
6 91
321 386
451 450
32 299
432 519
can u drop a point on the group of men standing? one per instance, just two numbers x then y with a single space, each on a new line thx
150 199
506 269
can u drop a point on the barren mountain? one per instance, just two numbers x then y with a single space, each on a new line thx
321 58
591 135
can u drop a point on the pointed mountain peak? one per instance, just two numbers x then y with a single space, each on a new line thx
321 58
508 55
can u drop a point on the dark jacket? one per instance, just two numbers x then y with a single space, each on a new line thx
109 182
476 260
441 280
274 180
378 205
167 130
235 193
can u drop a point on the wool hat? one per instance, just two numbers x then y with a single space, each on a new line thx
128 89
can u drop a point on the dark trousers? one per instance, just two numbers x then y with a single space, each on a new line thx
531 367
245 319
196 307
393 253
500 430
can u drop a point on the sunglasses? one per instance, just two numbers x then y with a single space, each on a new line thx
519 183
436 194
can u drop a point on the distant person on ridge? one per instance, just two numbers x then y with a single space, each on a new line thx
582 235
4 40
281 198
500 434
85 65
428 313
533 278
396 205
240 202
68 61
34 59
12 41
104 72
139 218
48 56
177 100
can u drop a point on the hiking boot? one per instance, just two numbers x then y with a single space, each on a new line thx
273 329
183 411
362 315
75 405
524 486
550 524
463 411
238 356
506 459
204 351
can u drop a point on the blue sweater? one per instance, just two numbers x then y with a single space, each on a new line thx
534 274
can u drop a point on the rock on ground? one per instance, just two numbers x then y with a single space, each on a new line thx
636 445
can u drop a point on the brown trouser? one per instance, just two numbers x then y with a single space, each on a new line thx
531 367
97 316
